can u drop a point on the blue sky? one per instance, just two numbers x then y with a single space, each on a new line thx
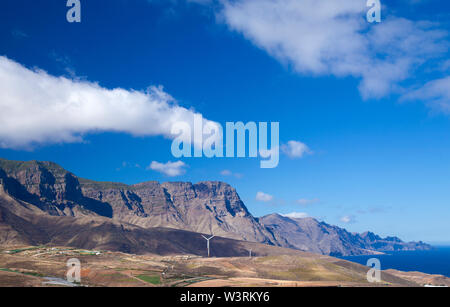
370 101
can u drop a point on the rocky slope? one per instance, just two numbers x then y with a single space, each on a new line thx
22 224
205 207
308 234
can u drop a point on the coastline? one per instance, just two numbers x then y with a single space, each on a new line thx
434 261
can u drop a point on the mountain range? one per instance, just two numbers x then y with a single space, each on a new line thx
40 203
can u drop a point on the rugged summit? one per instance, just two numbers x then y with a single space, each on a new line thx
49 187
308 234
204 207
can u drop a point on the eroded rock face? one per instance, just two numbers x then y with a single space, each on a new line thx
49 187
205 207
208 207
215 207
308 234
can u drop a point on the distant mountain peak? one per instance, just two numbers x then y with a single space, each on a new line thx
309 234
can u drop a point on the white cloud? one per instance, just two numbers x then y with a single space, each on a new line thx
261 196
295 149
171 169
436 92
306 202
226 172
348 219
329 37
296 215
126 164
38 108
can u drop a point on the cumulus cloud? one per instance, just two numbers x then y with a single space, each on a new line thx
295 149
261 196
329 37
171 169
307 202
38 108
348 219
296 215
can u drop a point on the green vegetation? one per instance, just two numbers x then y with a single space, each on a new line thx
9 165
6 270
153 279
32 274
14 166
24 273
123 269
128 280
53 168
103 185
15 251
190 281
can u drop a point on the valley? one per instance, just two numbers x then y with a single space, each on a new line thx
46 267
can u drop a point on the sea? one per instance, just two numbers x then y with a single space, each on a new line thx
435 261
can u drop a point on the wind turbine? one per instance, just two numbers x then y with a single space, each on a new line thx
207 240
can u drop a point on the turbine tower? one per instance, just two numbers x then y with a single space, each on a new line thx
207 242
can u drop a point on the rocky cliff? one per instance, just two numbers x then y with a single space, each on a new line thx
308 234
204 207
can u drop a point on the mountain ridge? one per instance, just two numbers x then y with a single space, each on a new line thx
204 207
304 234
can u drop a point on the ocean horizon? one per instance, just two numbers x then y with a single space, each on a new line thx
435 261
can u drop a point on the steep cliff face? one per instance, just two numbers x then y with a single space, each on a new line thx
50 188
308 234
21 224
136 203
215 207
205 207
